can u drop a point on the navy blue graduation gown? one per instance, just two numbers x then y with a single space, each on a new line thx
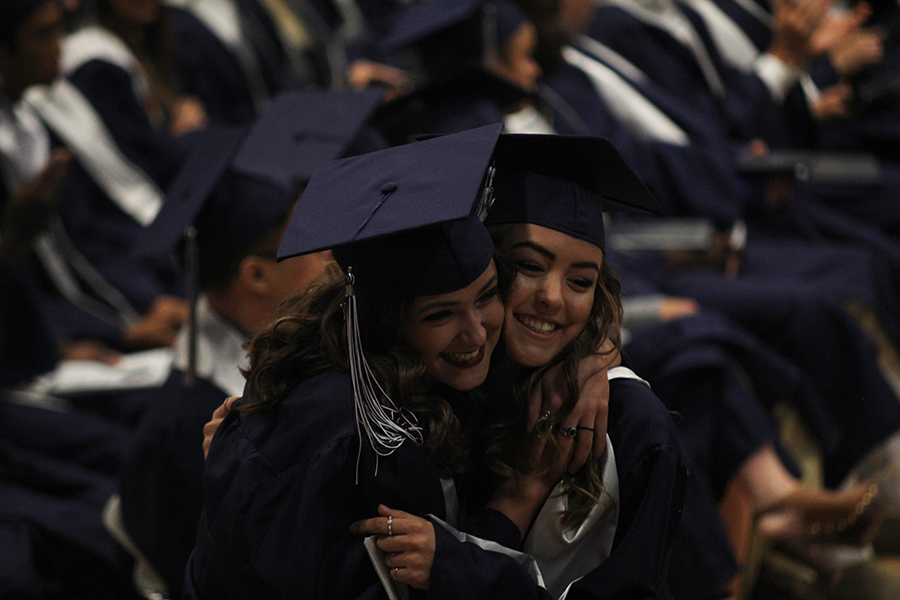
97 226
210 71
652 480
27 347
747 109
789 297
281 489
698 366
160 484
54 542
694 179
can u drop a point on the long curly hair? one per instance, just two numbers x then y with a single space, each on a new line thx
506 438
308 337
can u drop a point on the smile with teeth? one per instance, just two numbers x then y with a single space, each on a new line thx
536 325
463 358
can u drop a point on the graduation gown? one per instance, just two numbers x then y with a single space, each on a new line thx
160 484
102 219
741 103
788 296
282 487
645 492
699 367
231 57
652 480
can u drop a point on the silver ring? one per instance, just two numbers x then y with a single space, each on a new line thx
391 525
394 572
542 425
569 431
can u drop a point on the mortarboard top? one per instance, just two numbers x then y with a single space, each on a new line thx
13 13
231 209
386 215
408 115
300 131
564 183
452 33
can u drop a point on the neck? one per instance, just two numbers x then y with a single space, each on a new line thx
243 311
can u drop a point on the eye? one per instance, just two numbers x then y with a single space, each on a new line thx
582 283
437 316
488 296
529 267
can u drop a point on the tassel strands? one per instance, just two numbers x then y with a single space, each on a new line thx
386 426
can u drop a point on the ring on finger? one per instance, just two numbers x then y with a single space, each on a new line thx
580 427
569 431
391 525
394 572
541 426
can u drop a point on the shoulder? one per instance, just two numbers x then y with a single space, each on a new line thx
316 414
95 44
638 420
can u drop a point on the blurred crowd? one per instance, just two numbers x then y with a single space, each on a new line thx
768 131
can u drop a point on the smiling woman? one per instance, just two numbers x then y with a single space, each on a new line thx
455 334
552 298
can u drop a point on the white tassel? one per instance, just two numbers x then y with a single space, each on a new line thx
386 426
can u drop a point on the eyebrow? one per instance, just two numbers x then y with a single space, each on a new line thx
445 304
588 264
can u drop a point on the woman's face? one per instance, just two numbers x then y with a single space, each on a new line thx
456 333
552 296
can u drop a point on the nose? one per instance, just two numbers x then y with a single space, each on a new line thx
549 295
473 330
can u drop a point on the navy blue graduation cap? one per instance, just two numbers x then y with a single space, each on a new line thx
301 131
385 215
563 183
413 114
450 34
230 208
13 13
400 222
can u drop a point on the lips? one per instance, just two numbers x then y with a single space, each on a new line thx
536 325
464 360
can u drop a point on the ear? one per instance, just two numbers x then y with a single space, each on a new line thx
255 274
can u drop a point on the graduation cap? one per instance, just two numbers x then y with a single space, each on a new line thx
565 183
411 114
401 223
15 12
449 34
301 131
363 207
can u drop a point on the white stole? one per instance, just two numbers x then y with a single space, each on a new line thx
640 116
665 15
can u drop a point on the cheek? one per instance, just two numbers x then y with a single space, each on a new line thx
493 319
428 342
521 293
580 310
